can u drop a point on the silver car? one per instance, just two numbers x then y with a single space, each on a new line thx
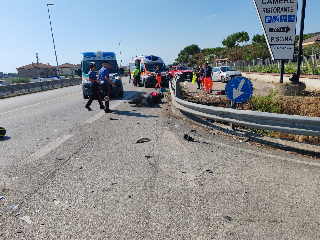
224 73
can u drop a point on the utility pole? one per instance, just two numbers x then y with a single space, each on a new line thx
54 46
38 66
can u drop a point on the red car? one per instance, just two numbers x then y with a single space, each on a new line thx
186 73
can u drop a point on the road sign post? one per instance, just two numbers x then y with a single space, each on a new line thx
278 20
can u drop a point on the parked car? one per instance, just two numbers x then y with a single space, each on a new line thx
186 73
224 73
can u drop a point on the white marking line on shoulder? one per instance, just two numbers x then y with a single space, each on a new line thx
36 104
48 148
100 114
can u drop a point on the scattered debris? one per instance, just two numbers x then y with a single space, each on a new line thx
27 219
143 140
19 213
228 218
13 207
188 138
209 171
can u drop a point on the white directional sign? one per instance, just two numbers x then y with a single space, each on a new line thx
278 20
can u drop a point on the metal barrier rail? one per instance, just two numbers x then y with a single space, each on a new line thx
291 124
37 86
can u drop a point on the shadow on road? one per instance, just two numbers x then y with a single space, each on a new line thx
133 114
5 138
257 138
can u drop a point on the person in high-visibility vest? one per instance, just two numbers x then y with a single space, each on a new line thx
208 78
136 76
158 77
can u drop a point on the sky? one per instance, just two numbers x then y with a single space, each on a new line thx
161 28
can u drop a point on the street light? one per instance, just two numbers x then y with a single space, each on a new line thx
54 46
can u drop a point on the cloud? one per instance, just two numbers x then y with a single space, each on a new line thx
213 15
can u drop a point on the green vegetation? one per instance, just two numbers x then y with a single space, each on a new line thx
20 80
267 103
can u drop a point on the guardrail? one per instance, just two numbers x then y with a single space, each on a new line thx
291 124
37 86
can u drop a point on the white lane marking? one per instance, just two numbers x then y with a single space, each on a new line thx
48 148
100 114
38 103
60 140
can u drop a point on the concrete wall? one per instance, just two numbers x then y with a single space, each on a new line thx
311 83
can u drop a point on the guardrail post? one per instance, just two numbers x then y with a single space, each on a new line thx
178 89
233 106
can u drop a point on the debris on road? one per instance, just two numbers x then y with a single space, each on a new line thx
19 231
209 171
13 207
58 158
148 157
56 202
27 219
183 172
188 138
19 213
228 218
143 140
114 119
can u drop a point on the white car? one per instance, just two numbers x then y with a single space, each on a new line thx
224 73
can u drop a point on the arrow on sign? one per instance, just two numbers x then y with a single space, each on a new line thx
280 29
237 92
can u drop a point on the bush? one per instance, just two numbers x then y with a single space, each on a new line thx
267 103
20 80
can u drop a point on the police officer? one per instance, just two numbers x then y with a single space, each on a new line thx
94 87
136 76
105 84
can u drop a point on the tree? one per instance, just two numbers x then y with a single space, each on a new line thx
259 38
236 38
183 56
305 36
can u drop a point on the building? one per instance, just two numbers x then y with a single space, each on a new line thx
33 70
69 69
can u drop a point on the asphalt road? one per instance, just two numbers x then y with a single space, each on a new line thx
82 175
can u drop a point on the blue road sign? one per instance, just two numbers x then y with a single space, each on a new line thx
239 89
